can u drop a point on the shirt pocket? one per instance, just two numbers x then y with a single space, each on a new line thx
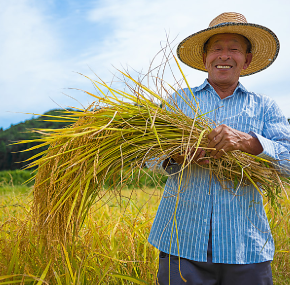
245 123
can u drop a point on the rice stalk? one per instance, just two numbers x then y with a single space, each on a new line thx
120 133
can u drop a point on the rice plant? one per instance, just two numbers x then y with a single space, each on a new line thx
120 132
111 247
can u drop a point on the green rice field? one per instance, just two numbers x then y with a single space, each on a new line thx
111 247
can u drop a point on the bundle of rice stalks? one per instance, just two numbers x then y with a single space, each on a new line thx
120 133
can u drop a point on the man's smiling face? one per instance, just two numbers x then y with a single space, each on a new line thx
226 56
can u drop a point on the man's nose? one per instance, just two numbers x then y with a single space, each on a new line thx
224 55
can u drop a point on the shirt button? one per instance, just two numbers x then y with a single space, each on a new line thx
205 220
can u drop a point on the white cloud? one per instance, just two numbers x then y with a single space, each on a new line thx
34 64
27 55
40 48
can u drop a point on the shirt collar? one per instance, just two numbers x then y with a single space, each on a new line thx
206 86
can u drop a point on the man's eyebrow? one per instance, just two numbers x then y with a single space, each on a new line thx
232 40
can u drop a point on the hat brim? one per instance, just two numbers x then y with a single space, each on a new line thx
265 45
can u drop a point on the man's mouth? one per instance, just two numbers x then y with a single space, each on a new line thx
223 67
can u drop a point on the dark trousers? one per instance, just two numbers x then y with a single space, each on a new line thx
205 273
208 273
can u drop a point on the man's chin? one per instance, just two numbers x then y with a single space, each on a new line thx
224 80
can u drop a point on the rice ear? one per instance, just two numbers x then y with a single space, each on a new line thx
120 136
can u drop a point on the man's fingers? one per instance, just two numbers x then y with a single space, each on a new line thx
215 137
178 158
215 132
203 162
200 154
197 155
200 159
219 154
223 139
195 152
214 142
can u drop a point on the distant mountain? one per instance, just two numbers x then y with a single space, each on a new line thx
11 156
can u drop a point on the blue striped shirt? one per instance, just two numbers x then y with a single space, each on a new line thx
240 229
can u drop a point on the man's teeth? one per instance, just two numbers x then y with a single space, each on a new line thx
223 66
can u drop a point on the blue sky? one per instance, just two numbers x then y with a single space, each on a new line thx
45 44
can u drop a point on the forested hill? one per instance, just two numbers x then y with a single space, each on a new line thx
10 156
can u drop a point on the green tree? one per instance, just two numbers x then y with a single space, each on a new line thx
11 155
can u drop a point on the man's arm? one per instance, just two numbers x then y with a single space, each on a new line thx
224 138
273 143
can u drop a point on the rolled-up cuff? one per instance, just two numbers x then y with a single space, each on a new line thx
268 147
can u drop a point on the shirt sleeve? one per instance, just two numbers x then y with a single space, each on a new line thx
275 139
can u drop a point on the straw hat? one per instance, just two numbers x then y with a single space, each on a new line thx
265 44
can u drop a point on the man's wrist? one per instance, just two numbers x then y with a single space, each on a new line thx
168 162
253 146
172 161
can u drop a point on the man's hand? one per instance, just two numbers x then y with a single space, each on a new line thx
223 138
196 157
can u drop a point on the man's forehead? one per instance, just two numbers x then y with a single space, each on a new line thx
229 37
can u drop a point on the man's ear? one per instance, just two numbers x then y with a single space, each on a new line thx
204 59
249 57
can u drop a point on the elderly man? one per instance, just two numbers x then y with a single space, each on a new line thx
222 236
